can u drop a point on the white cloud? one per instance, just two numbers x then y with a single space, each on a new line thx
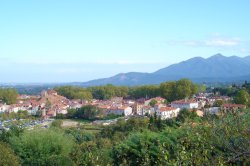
213 42
219 42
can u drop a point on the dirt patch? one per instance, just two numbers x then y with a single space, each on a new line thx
68 123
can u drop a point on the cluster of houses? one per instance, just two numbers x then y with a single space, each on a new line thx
50 104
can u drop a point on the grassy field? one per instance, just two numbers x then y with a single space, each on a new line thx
83 124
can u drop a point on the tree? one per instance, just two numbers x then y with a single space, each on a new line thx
42 147
201 88
147 91
9 96
242 97
167 90
181 89
89 112
72 92
7 156
140 149
71 113
186 115
218 103
57 123
22 114
153 102
185 89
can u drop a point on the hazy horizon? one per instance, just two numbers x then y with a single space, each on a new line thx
75 41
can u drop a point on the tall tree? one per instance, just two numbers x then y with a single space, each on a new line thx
242 97
9 96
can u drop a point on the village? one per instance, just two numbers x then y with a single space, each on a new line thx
50 104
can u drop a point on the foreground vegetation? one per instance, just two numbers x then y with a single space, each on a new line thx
185 140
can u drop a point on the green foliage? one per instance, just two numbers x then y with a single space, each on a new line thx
242 97
181 89
111 116
184 140
14 131
186 115
218 103
169 90
156 123
21 114
226 91
80 136
140 149
152 103
184 88
57 123
9 96
89 112
201 88
217 141
147 91
108 91
88 153
42 147
122 128
71 92
71 113
7 156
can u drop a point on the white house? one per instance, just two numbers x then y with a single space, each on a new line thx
188 104
146 110
125 110
14 108
4 107
167 112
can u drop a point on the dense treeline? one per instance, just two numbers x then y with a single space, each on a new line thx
170 90
108 91
240 93
231 90
19 115
74 92
8 96
185 140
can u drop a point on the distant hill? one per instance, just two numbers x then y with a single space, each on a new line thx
217 68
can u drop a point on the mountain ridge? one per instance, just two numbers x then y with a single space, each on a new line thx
217 68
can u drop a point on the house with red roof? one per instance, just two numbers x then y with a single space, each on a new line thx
185 104
159 100
124 110
232 107
167 112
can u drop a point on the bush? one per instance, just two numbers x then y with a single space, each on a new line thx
7 156
36 147
57 123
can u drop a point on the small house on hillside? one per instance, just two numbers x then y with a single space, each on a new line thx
167 112
185 104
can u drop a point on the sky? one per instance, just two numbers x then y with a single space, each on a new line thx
49 41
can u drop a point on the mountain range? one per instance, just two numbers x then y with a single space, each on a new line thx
217 68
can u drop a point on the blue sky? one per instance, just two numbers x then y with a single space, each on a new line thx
80 40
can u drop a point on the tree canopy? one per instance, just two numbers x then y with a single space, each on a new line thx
74 92
181 89
7 156
43 147
8 96
242 97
